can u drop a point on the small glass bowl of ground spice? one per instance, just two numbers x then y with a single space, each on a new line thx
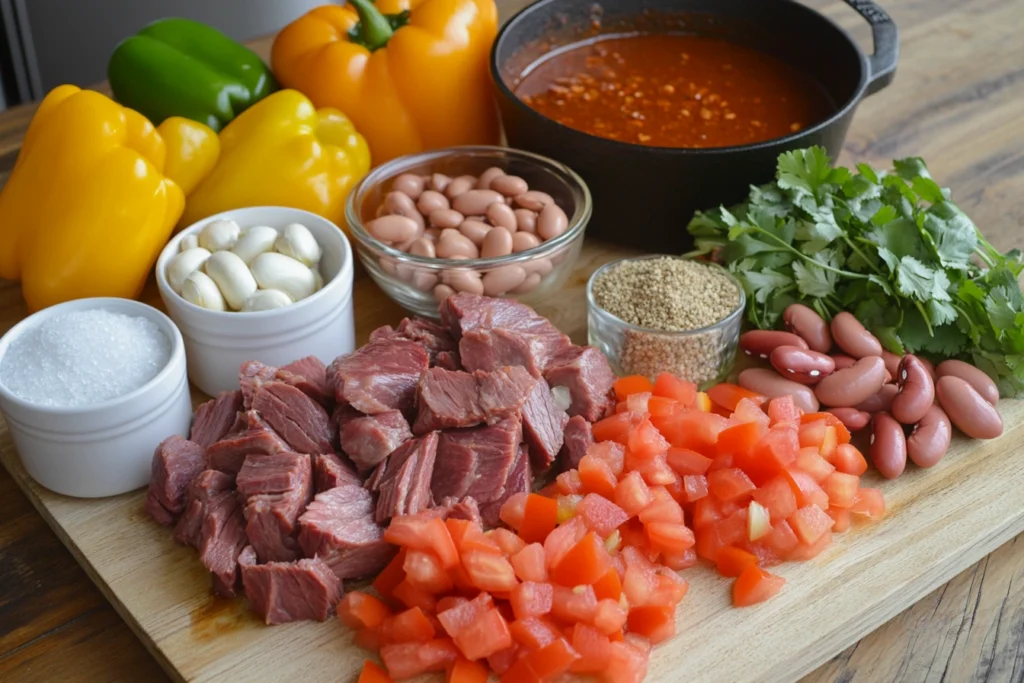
666 314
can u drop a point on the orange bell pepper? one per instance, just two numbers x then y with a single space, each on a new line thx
411 74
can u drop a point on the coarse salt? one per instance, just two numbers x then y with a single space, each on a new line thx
84 358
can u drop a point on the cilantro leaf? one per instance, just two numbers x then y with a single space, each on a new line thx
921 282
804 169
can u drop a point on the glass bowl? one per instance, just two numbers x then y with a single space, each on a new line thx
417 283
704 356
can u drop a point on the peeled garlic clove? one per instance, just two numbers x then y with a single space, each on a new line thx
200 289
318 280
183 265
277 271
232 276
298 242
255 241
266 299
219 235
188 242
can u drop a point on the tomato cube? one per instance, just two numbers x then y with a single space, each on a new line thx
359 610
513 510
639 584
410 625
804 552
569 482
692 429
657 623
695 487
732 561
869 503
669 538
574 604
585 563
777 496
705 511
645 441
670 386
405 660
610 616
596 476
487 635
616 427
783 409
600 514
728 395
662 509
773 452
841 519
627 663
633 384
637 403
509 543
755 585
609 585
545 664
748 411
465 671
411 595
560 541
813 464
685 461
805 489
531 599
455 619
371 673
684 560
810 523
782 539
533 633
593 647
730 484
424 571
849 460
740 439
489 572
391 576
539 519
841 489
632 494
530 563
423 532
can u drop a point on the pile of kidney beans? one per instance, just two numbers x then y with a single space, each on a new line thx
908 403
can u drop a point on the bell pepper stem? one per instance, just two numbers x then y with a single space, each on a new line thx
374 29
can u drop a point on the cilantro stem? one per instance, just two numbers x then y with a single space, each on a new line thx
863 258
924 316
805 257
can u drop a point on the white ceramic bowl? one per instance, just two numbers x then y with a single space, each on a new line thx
321 325
103 449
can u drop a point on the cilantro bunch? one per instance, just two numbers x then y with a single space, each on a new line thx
890 247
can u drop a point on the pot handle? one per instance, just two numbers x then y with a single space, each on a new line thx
887 44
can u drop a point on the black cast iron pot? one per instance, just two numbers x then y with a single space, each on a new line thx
645 196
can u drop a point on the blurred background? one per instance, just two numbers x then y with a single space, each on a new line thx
44 43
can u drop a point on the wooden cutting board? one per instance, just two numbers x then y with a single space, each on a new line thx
940 522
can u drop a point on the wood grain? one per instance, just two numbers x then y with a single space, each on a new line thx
958 101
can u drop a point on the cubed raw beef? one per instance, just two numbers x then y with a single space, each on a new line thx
466 509
277 489
282 592
449 360
435 338
223 537
301 421
380 376
330 471
176 462
519 480
404 479
578 438
504 391
338 527
207 486
475 462
492 349
449 399
251 377
543 426
228 454
214 418
368 439
308 375
585 372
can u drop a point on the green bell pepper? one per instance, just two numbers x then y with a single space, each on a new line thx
180 67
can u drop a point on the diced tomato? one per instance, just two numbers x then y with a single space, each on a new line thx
610 616
869 503
655 622
670 587
608 586
661 406
645 441
732 561
693 429
612 453
424 571
655 470
473 539
730 484
722 462
500 662
684 560
726 531
812 433
695 487
705 511
670 386
593 647
632 494
662 509
533 633
814 464
827 448
600 514
585 563
530 563
740 438
513 510
783 409
849 460
371 673
359 610
574 604
782 540
487 635
540 517
841 489
545 664
405 660
423 532
639 584
633 384
627 663
509 543
549 491
391 576
685 461
774 451
841 519
464 671
669 538
755 585
489 572
729 395
637 403
778 497
411 595
766 557
616 427
805 489
748 411
410 625
803 552
569 482
560 541
531 599
809 523
596 476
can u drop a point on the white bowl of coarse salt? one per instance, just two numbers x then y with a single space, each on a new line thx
89 388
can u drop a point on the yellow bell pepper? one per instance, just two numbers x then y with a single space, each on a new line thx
412 74
88 207
281 151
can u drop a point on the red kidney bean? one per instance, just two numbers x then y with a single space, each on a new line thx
853 338
811 327
769 383
916 391
761 343
801 365
981 382
967 409
852 419
892 362
888 446
843 361
880 401
930 367
930 439
852 386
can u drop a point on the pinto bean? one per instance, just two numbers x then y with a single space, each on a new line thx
981 382
967 409
888 446
850 336
916 391
801 365
769 383
930 439
880 401
853 419
843 361
849 387
811 327
761 343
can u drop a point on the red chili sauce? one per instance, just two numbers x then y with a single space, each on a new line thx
674 90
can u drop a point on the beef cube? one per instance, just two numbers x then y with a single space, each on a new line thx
543 426
176 462
207 486
251 377
449 360
585 372
223 537
519 480
404 478
475 462
277 489
504 391
283 592
578 438
435 338
463 312
301 421
368 439
449 399
330 471
214 418
380 376
308 375
492 349
256 437
466 509
339 528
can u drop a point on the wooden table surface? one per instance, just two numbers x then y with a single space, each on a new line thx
958 101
